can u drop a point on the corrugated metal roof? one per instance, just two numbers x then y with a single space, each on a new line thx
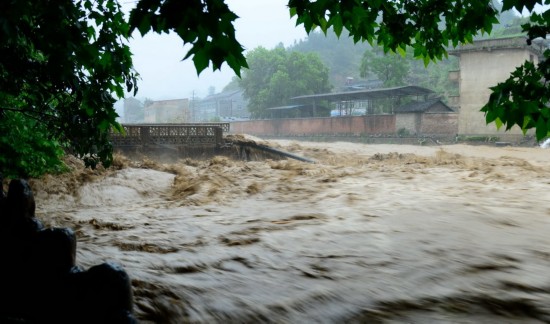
368 94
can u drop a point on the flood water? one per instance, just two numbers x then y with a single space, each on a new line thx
370 233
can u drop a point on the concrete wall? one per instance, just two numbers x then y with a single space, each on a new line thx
347 125
480 70
167 111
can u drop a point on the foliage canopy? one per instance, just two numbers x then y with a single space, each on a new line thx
276 75
63 62
396 25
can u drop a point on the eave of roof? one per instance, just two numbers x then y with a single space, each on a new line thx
420 106
502 43
367 94
285 107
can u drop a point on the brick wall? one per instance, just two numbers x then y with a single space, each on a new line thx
352 125
439 123
429 124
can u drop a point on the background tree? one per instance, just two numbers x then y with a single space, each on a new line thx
397 70
232 85
392 70
435 76
276 75
340 54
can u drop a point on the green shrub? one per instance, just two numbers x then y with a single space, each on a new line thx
403 132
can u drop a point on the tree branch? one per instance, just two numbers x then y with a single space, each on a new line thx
27 112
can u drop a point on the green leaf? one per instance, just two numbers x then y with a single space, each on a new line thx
509 4
201 61
337 25
541 129
498 123
426 60
144 25
293 11
401 51
490 116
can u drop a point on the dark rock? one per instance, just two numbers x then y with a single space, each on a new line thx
109 287
20 199
18 211
54 251
2 194
39 281
3 209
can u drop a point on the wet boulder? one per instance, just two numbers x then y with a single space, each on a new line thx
19 208
39 279
104 295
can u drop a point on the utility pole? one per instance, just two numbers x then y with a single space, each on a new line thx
193 118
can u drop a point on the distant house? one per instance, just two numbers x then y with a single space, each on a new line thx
167 111
426 117
224 106
484 64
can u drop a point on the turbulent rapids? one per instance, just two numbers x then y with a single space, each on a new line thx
370 233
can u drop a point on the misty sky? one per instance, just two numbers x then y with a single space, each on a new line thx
158 57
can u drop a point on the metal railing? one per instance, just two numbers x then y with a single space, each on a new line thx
170 134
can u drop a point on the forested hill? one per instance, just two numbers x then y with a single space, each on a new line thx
345 59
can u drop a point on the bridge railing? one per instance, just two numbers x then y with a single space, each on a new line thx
170 134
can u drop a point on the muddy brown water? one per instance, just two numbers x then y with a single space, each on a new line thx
371 233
